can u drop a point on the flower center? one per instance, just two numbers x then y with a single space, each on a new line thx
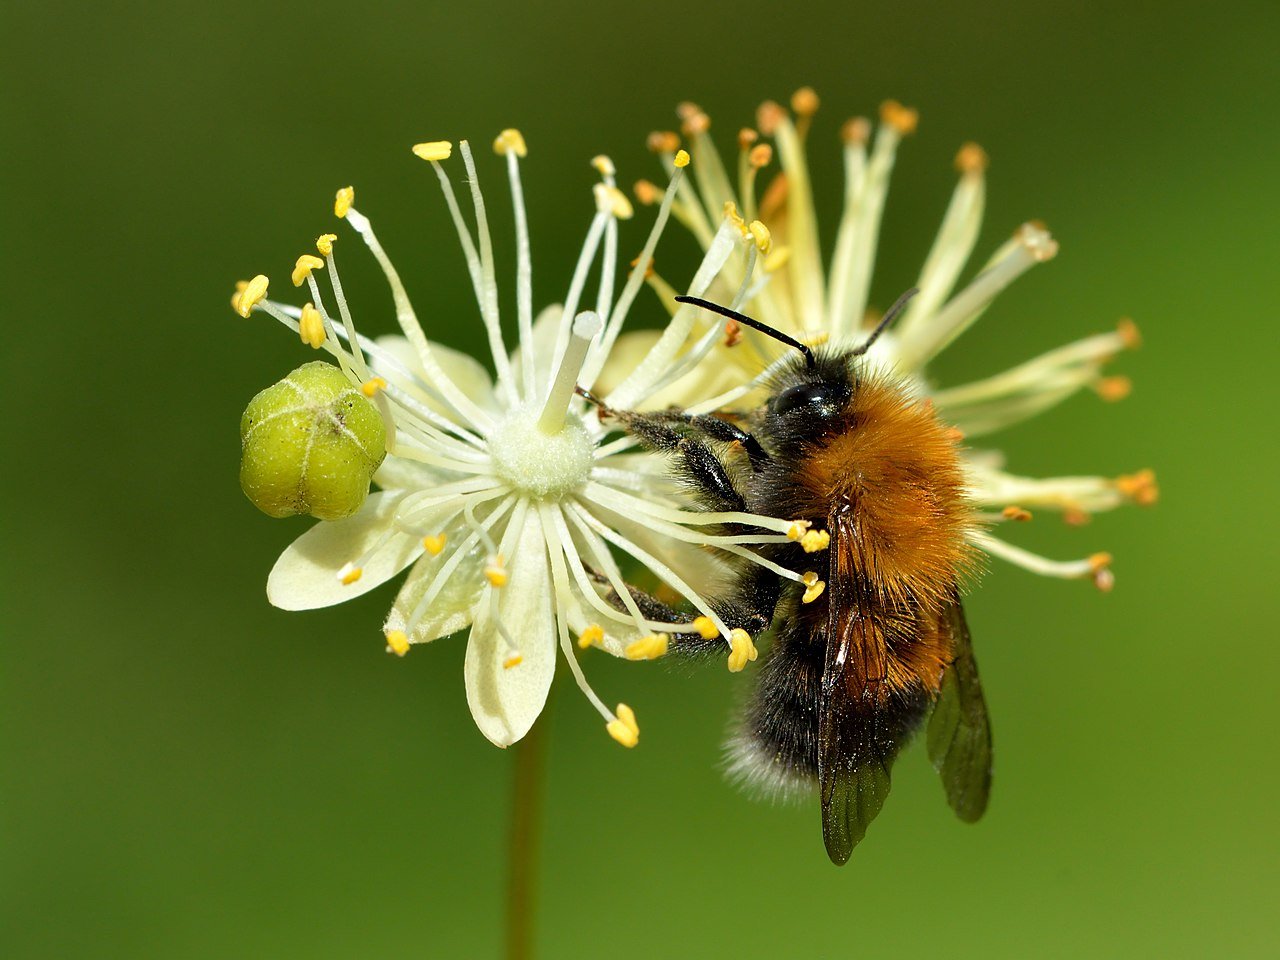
538 464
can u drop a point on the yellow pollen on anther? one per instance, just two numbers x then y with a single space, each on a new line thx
1016 513
1113 389
761 155
1130 335
604 165
624 728
646 192
798 529
591 636
663 141
435 150
496 573
342 201
1099 561
397 643
311 327
370 388
434 543
813 591
1075 517
682 158
903 119
614 201
972 159
250 295
324 243
706 628
742 650
510 140
235 297
302 269
731 214
1139 487
746 137
350 574
856 130
768 115
815 540
512 661
763 238
648 648
805 102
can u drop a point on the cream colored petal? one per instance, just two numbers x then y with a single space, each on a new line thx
396 473
628 350
465 371
545 330
505 702
451 610
306 575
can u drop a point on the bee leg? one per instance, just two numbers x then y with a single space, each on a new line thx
716 429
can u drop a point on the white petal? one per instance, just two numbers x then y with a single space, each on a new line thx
465 371
397 473
451 610
305 576
506 702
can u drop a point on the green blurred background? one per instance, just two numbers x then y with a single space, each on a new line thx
190 773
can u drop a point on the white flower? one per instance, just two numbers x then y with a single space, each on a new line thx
816 302
502 494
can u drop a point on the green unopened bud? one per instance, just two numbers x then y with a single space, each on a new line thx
310 445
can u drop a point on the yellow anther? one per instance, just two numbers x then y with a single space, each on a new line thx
742 650
705 627
1130 335
777 260
436 150
512 661
235 297
647 192
342 201
349 574
809 578
1075 517
591 636
624 728
372 386
302 269
682 158
614 201
747 137
251 294
731 214
732 333
768 115
815 540
1016 513
763 238
648 648
434 543
903 119
798 529
761 155
663 141
604 166
495 572
510 140
1103 578
805 102
856 130
397 643
311 327
695 122
972 159
1140 487
813 591
1113 389
324 243
1099 561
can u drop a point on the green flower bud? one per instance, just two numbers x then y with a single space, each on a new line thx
310 444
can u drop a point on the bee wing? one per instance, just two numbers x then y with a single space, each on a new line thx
959 734
854 753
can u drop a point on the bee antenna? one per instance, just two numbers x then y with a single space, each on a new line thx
810 360
890 315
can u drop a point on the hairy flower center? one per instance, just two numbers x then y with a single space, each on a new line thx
538 464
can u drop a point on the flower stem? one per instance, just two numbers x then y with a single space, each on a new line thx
526 817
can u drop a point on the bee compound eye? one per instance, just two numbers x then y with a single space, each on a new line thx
819 399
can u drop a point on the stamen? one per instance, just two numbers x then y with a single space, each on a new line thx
585 327
510 143
591 636
815 540
324 243
1139 487
1095 567
648 648
512 661
250 296
1113 389
742 650
433 150
311 327
1016 513
613 201
302 269
349 574
434 543
663 141
706 629
624 728
342 201
397 643
373 386
495 572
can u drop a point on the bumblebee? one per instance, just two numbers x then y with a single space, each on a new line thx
858 665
